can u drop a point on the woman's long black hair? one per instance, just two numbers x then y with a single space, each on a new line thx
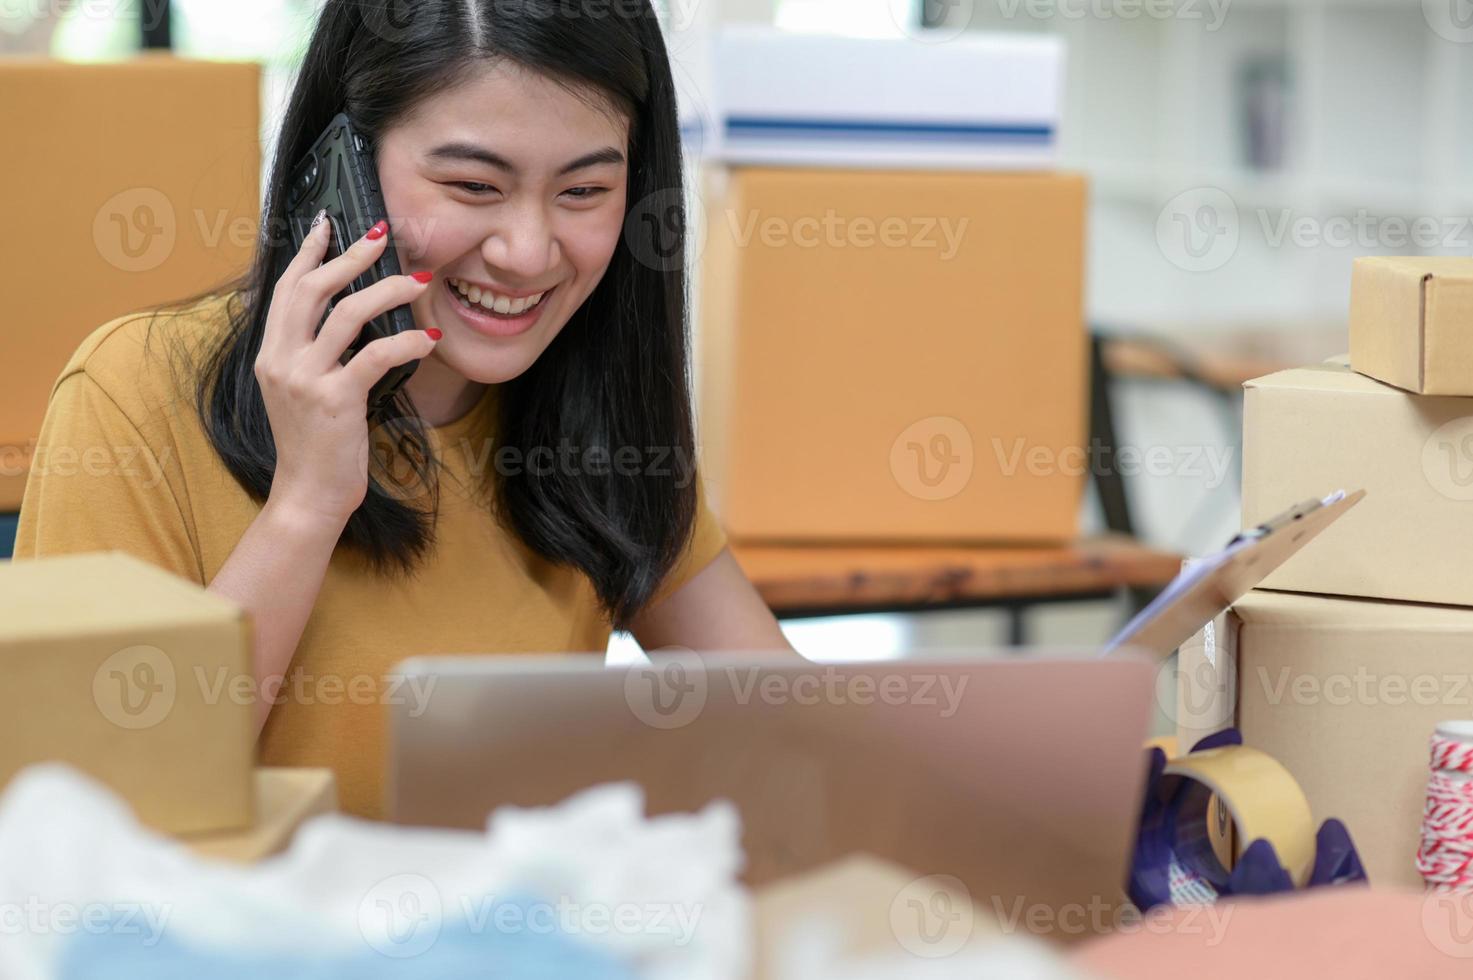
616 376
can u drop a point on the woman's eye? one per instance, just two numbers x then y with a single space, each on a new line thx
473 187
585 193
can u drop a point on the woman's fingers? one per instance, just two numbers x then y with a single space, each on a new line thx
287 320
321 284
308 292
376 357
348 317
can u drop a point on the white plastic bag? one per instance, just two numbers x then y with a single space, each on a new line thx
82 884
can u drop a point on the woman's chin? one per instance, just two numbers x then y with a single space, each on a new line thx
484 367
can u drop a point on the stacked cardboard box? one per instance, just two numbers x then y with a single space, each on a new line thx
873 382
139 179
892 336
1366 641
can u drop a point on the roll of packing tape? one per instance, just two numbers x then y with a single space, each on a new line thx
1260 795
1166 743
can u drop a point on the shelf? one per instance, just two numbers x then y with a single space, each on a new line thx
1376 127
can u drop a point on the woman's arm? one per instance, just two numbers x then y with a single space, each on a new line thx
318 410
718 609
275 573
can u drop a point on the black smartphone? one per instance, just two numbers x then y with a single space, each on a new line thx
338 173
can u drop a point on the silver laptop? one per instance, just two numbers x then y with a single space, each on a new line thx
1020 777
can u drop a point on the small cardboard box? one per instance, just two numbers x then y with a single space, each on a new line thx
133 676
139 179
285 799
1346 694
894 356
1411 322
1309 431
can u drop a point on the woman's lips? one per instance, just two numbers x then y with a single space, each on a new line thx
497 324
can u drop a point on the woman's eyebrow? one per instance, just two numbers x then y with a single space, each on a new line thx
479 154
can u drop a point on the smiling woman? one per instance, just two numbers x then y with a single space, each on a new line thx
515 146
523 203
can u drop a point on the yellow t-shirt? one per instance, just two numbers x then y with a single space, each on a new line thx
123 463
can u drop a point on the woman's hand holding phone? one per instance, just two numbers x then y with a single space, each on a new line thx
318 407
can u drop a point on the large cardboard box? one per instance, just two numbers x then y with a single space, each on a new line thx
1346 694
134 676
1411 322
894 355
126 185
1310 431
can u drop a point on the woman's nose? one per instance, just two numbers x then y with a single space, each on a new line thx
523 247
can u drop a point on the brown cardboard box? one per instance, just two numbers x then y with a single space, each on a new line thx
1411 322
285 799
126 185
1310 431
894 355
1346 694
133 676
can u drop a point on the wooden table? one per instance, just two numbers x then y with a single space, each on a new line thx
1221 359
830 580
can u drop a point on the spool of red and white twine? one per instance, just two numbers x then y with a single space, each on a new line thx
1445 857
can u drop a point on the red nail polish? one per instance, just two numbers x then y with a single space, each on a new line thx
434 333
422 276
377 231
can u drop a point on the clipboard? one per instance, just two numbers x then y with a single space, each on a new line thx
1210 585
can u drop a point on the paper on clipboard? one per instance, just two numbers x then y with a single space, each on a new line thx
1210 585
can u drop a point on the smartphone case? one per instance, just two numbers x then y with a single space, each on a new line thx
338 173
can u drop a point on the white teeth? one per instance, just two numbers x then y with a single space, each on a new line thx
490 301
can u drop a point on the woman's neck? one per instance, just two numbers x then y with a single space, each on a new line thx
441 394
